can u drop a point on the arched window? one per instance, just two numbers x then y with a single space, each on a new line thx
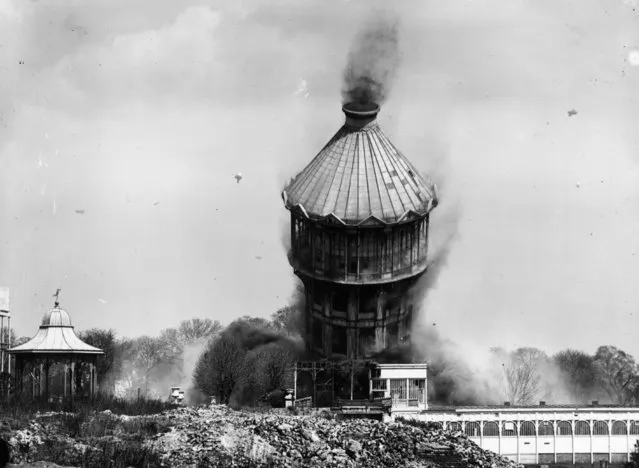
527 428
600 428
546 428
582 428
454 426
491 429
472 429
436 425
634 428
619 428
564 428
509 429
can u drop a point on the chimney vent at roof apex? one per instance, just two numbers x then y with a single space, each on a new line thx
595 403
506 403
542 403
360 114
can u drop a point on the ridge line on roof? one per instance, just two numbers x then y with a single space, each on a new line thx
341 181
348 192
308 172
329 186
383 192
388 178
375 177
368 187
391 152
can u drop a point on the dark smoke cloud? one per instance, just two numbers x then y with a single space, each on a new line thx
250 335
372 62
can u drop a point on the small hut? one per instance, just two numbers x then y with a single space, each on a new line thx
55 347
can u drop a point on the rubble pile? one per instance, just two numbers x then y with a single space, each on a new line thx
218 436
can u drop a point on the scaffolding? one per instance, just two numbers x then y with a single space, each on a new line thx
323 376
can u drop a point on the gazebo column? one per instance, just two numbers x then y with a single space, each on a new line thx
66 378
46 379
72 378
34 381
41 380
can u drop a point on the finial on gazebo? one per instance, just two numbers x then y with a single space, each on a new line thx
57 293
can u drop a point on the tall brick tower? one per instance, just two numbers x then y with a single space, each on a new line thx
359 239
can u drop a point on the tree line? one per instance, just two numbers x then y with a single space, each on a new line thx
249 362
528 375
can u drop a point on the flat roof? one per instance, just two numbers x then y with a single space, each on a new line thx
529 408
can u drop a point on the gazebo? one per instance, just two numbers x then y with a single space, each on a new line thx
56 344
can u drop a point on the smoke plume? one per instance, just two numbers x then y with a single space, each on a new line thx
250 336
372 62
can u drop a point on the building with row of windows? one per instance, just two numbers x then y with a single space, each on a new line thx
543 434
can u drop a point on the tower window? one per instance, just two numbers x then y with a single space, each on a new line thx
393 334
318 334
340 301
318 250
368 300
366 341
339 340
352 254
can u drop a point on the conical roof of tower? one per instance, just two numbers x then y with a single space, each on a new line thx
55 336
360 177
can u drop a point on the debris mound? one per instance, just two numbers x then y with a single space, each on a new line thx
218 436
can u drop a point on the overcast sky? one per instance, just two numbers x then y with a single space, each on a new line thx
123 122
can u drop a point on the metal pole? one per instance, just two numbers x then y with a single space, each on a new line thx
314 386
295 384
352 365
9 363
2 344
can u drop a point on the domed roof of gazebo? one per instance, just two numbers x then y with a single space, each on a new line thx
56 317
360 176
55 336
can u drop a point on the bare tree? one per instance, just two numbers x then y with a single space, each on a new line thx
522 374
274 366
617 372
196 329
105 365
172 343
287 320
149 353
579 373
220 368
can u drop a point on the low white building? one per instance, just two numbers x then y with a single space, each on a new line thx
543 434
404 384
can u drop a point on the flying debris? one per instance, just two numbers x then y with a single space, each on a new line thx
79 211
156 203
578 184
572 112
258 257
42 164
238 177
302 90
102 301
